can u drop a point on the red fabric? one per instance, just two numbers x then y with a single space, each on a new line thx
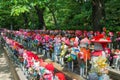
35 57
97 53
20 46
109 50
61 76
79 55
101 39
50 67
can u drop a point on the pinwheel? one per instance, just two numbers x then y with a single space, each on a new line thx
85 40
118 39
78 32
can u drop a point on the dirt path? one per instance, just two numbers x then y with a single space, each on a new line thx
5 73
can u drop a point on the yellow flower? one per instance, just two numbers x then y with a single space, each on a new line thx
101 62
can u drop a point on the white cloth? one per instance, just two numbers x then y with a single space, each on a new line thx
36 64
20 51
103 54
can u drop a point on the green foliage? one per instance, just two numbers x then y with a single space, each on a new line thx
112 15
69 14
17 10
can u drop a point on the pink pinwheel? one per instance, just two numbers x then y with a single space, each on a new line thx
85 40
29 61
111 34
76 41
57 39
47 37
118 39
25 33
38 37
63 39
67 41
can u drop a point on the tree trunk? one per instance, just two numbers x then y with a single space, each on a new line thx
54 18
25 20
40 12
98 14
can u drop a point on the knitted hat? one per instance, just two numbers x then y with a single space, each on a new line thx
101 39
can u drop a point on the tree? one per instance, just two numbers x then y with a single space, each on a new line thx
112 10
51 5
98 14
26 5
25 20
40 12
60 14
